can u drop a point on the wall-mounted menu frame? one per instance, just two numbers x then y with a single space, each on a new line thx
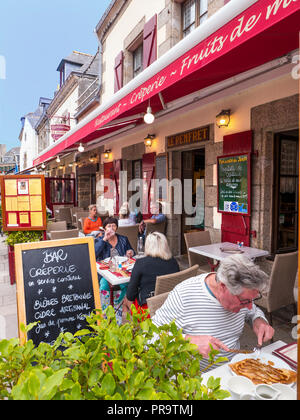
234 184
23 202
57 286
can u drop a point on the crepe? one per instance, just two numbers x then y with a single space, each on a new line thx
261 373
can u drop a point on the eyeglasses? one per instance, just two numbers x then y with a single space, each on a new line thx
248 301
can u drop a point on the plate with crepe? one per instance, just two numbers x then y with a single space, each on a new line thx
263 369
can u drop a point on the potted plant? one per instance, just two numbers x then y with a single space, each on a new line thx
108 362
19 237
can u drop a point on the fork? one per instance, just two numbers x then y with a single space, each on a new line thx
241 351
256 350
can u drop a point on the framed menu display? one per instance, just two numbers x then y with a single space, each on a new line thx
234 175
23 202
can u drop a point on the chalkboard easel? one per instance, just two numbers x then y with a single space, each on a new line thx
57 286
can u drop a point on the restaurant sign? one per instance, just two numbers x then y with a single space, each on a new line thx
58 130
188 137
252 22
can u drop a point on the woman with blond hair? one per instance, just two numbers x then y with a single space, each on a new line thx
158 261
93 223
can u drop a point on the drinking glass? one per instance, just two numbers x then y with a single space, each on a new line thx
140 247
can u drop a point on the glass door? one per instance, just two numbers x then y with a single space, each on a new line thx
193 171
286 193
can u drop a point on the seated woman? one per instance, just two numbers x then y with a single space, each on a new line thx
158 261
111 239
92 223
103 246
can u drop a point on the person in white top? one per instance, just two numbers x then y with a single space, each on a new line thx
212 308
124 214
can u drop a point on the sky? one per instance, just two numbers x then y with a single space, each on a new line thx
35 35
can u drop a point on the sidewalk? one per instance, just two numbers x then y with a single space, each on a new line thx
8 300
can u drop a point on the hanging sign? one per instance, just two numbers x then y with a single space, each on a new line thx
58 130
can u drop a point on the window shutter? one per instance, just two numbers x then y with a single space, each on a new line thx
150 42
148 168
117 169
119 71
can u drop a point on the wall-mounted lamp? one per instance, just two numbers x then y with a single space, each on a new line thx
93 158
58 159
223 119
80 148
148 140
107 153
149 117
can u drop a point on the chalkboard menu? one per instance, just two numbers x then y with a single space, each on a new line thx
234 184
57 286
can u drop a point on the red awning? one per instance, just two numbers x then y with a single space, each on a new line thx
266 30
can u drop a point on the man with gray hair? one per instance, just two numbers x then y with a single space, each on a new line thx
212 308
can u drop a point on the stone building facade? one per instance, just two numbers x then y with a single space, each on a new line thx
263 101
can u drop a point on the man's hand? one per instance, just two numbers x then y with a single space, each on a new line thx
142 227
263 331
130 253
203 342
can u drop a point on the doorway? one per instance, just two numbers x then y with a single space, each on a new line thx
193 169
286 178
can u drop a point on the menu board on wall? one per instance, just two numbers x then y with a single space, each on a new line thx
57 287
234 181
23 202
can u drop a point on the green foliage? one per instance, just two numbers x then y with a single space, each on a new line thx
107 362
20 237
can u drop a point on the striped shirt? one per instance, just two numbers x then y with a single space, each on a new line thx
197 312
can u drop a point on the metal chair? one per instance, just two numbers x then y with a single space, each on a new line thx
132 234
167 282
75 210
155 302
198 238
296 288
55 226
78 215
62 225
63 214
63 234
282 283
80 224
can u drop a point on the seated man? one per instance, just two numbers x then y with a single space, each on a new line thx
212 308
157 217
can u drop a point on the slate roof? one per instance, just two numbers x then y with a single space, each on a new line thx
34 117
85 60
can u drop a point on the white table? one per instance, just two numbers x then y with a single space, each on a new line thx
223 372
213 251
112 280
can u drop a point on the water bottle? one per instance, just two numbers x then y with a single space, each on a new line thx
140 247
113 263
